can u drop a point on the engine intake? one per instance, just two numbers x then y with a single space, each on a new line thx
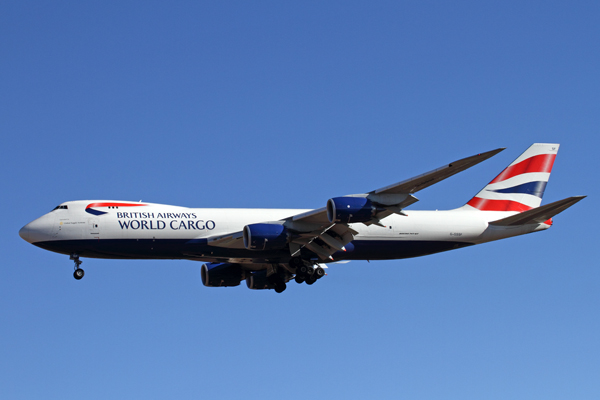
221 274
265 236
350 209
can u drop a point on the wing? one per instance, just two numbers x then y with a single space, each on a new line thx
324 238
315 231
230 240
394 198
427 179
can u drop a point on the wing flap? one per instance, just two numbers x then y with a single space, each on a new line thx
323 242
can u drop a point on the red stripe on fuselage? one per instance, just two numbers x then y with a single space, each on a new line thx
539 163
114 205
497 205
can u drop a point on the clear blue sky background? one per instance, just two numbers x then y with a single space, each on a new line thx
274 104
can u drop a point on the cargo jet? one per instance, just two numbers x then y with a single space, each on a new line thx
269 247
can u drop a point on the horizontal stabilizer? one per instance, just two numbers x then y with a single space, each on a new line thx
540 214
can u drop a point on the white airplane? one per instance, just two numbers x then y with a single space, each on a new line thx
269 247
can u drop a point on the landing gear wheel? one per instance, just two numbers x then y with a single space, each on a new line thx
296 262
280 287
299 279
319 272
305 270
78 274
311 279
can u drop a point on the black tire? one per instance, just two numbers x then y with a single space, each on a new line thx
299 279
311 279
296 262
319 272
280 287
78 274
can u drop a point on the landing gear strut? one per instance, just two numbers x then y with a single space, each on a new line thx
78 274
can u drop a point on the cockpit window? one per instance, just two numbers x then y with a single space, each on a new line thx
61 208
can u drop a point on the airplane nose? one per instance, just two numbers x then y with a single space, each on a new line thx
35 231
27 233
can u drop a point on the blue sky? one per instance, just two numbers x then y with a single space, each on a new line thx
275 104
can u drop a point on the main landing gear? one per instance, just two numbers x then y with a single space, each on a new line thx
279 285
78 274
277 280
306 273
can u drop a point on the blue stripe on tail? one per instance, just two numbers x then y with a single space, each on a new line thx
533 188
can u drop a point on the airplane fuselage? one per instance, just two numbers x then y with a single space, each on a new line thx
130 230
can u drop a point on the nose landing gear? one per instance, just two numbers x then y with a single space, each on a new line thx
78 274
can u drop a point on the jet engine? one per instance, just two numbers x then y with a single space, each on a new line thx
265 236
258 280
221 274
350 209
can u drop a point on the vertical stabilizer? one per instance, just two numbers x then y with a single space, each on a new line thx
521 185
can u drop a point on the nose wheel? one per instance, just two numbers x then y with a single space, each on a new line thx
78 273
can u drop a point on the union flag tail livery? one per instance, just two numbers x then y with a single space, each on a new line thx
520 187
269 247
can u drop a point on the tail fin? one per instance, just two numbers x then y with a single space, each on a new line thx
521 185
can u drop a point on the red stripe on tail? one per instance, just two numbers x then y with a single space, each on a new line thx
497 205
539 163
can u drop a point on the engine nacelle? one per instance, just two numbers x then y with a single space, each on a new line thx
265 236
258 280
221 274
350 209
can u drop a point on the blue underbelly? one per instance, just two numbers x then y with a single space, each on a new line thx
185 249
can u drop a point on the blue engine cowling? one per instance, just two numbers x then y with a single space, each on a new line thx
258 280
221 274
349 209
265 236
